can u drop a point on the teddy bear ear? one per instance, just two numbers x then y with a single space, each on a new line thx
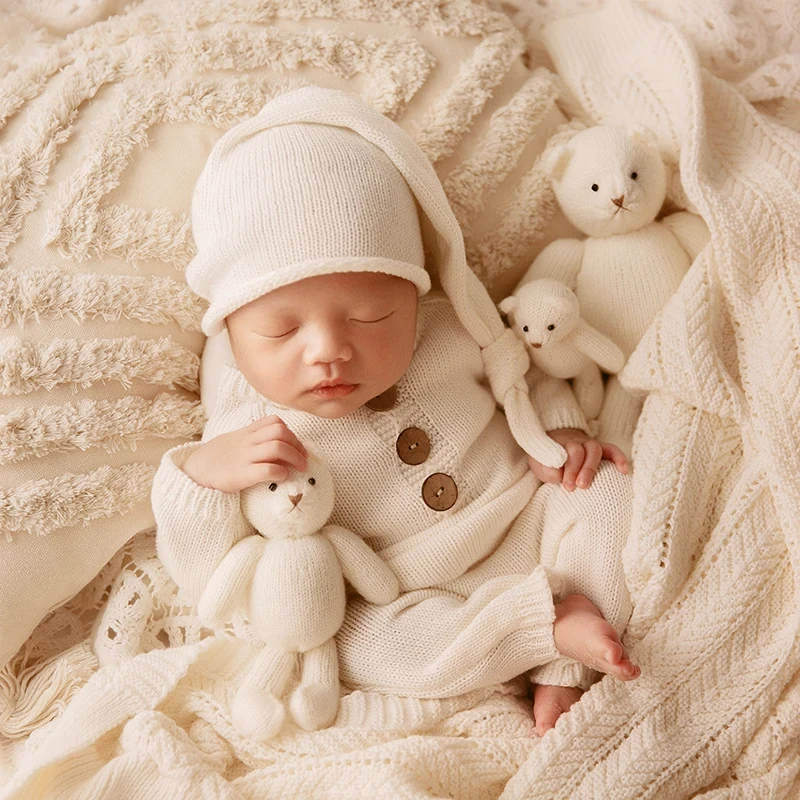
313 451
555 160
641 133
509 305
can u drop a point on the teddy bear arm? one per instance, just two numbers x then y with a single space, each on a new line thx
366 571
690 230
588 387
561 261
597 347
555 401
231 579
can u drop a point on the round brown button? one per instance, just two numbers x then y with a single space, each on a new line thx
384 401
413 446
439 491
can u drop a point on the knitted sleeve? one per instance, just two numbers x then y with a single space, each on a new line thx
555 402
197 526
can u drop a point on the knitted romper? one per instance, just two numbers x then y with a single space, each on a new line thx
430 475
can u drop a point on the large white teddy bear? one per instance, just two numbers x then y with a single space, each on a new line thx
611 181
289 579
545 315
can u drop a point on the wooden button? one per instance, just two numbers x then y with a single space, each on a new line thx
413 446
384 401
439 491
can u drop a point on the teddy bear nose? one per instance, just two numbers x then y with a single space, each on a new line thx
537 345
618 201
295 498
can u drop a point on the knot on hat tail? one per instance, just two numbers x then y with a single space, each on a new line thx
505 362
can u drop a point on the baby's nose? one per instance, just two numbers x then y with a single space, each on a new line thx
295 498
328 349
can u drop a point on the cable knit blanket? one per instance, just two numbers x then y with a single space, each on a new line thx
713 563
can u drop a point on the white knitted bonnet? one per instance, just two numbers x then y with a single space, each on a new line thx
305 188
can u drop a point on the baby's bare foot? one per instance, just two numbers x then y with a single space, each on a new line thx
550 702
580 632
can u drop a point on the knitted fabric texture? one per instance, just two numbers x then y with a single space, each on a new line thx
279 202
713 565
475 609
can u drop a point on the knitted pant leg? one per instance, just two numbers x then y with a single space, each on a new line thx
437 643
583 535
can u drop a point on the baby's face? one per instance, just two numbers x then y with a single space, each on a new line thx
328 344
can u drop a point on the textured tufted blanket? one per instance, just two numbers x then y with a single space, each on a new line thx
714 558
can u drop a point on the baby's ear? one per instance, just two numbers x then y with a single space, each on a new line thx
555 160
509 305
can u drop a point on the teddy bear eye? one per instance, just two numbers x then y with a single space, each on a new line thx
551 327
273 487
312 481
595 187
525 328
634 175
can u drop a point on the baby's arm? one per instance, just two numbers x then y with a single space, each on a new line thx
366 571
196 525
230 580
195 496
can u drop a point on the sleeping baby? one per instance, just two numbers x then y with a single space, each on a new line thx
328 251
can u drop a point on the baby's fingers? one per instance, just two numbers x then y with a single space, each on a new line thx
543 473
594 453
267 473
576 455
616 456
275 429
276 450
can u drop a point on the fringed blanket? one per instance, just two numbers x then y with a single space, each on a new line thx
714 558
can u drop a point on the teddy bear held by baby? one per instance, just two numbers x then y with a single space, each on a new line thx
289 579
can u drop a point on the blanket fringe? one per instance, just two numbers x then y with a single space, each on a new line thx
33 692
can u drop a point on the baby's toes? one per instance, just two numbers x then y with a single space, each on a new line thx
549 703
618 664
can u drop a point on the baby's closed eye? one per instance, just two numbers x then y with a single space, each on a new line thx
283 335
369 319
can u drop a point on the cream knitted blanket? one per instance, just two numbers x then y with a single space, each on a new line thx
714 563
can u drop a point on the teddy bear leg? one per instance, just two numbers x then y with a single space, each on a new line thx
619 415
588 387
257 710
315 701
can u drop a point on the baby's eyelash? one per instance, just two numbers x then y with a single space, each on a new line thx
369 321
279 336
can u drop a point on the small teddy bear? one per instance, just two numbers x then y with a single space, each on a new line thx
289 579
545 315
611 181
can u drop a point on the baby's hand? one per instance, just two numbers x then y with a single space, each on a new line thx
263 451
583 458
